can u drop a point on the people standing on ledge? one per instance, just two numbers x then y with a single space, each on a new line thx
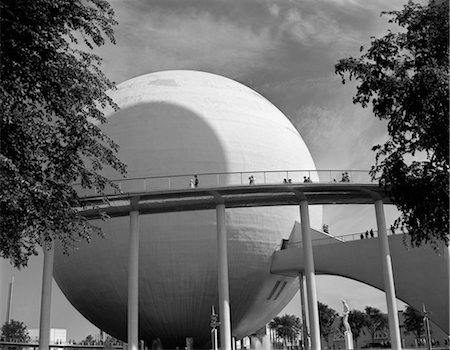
345 177
251 180
195 181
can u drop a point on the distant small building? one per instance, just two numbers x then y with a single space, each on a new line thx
57 336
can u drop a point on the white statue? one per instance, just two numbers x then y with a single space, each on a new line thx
345 314
348 331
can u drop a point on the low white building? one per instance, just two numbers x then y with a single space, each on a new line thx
57 335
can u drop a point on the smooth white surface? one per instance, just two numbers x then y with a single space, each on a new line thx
186 122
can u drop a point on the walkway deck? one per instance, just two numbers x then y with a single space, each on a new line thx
421 275
237 196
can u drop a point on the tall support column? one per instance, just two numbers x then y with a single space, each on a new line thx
311 291
46 297
133 282
388 276
304 311
447 257
10 300
224 298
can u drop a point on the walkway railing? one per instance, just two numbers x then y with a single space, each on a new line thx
13 345
340 239
177 182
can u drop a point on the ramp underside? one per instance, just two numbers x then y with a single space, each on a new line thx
421 275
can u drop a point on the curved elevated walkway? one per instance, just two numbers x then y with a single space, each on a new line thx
150 202
421 275
420 278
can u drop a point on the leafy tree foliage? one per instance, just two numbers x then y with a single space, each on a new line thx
413 322
375 321
358 321
110 342
405 76
327 317
52 95
286 327
89 339
15 331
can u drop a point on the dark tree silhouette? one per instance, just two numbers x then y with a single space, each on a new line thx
375 321
286 327
405 77
15 331
327 317
52 98
358 321
413 322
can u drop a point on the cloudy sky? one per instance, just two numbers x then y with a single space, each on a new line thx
283 49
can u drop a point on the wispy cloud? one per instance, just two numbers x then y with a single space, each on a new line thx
191 39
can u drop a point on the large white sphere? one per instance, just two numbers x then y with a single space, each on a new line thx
188 122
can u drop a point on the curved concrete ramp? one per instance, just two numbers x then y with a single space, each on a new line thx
421 275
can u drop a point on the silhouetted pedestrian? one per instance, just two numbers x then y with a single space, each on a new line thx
195 181
371 233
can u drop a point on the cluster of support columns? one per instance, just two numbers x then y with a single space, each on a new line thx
310 306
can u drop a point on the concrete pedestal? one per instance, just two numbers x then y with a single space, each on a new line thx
348 337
